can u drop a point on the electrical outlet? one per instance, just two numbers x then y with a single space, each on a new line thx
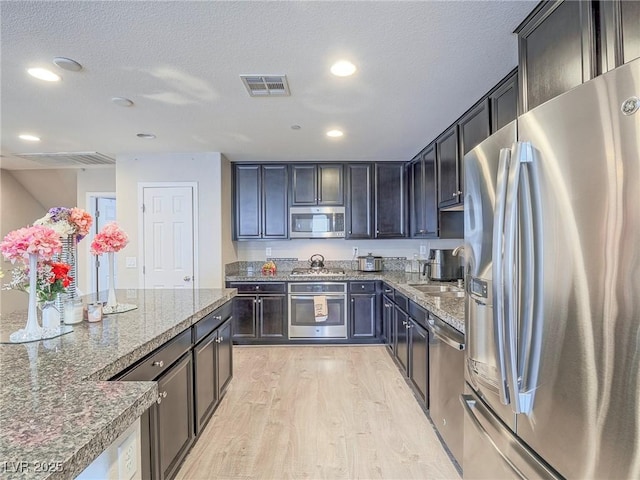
268 252
423 249
355 251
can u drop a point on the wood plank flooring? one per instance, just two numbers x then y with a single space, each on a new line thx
317 412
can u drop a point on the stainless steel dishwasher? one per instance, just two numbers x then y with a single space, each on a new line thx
446 383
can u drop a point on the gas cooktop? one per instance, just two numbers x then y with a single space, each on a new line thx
316 272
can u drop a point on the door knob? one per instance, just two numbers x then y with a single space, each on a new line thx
187 278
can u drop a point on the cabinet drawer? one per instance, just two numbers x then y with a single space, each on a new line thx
160 360
387 291
401 301
418 314
210 322
362 287
263 287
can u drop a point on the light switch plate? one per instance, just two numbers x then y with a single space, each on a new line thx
423 249
131 262
268 252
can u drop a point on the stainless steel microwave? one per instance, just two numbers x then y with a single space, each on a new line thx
316 222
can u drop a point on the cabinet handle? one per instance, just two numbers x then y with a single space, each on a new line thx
387 305
353 300
160 397
404 323
157 363
218 317
455 194
362 287
259 300
459 192
257 287
388 290
349 232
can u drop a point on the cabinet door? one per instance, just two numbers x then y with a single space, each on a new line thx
304 184
244 316
390 200
275 201
206 391
419 359
273 316
330 184
387 321
448 173
504 102
402 339
359 201
556 50
247 201
473 128
363 316
175 419
423 195
224 357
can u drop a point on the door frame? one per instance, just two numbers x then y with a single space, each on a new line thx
194 189
86 245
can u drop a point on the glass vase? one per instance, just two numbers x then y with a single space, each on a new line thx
68 255
32 330
50 316
112 302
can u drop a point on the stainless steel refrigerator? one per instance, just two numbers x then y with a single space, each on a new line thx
552 245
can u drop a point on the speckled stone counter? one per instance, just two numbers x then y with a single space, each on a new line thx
57 411
451 310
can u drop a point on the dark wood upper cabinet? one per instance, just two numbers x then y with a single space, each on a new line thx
317 184
423 194
390 203
619 32
447 154
557 50
473 128
503 101
261 201
359 200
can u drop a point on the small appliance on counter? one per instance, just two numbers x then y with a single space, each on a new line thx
369 263
442 266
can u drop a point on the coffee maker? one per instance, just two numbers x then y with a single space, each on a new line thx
442 265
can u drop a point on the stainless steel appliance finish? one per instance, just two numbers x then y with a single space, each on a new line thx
316 222
442 265
551 240
317 272
446 383
302 321
369 263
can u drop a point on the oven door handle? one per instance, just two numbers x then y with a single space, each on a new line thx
310 297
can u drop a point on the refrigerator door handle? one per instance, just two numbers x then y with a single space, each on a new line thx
523 155
497 271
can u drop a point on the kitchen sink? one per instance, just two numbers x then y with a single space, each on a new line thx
447 294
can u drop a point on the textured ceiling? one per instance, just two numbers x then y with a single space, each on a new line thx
420 65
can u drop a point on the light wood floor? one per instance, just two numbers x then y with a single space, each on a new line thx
317 412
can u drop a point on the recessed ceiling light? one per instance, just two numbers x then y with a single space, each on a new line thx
123 102
44 74
67 64
295 127
343 68
334 133
29 138
148 136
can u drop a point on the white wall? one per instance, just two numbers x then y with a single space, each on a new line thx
337 249
18 208
214 233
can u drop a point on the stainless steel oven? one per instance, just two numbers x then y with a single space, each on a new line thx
302 320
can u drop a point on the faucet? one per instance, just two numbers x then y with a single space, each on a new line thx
457 250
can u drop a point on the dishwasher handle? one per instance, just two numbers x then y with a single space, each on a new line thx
445 333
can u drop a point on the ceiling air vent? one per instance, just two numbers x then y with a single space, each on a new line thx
68 159
266 85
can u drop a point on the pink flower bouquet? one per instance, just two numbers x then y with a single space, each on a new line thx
39 240
110 239
67 221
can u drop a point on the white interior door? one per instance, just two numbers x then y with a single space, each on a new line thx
168 237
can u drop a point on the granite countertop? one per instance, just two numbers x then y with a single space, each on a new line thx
58 412
451 310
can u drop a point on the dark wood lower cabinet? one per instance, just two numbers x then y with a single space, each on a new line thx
363 310
172 421
224 357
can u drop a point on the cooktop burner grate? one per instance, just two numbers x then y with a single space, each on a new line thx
316 272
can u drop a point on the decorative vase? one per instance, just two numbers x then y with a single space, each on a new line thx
50 316
68 255
112 302
32 330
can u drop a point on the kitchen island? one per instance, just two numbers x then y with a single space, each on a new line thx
57 408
